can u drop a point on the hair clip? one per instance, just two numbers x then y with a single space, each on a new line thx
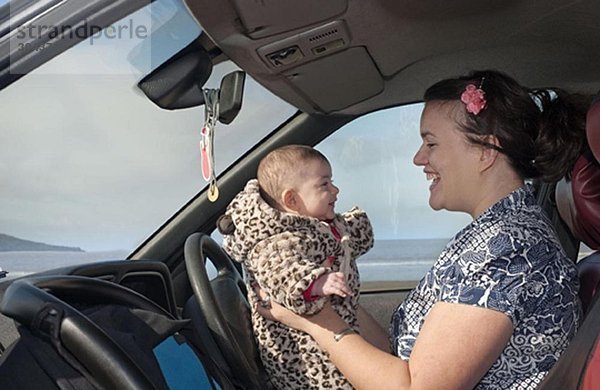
474 98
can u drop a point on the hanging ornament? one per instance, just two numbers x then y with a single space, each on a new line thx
211 116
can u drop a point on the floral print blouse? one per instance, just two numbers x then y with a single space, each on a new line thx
508 260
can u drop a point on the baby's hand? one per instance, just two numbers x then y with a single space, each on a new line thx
330 284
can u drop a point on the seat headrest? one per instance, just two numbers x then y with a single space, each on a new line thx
578 201
592 127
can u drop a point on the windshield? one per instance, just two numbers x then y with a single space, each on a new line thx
90 166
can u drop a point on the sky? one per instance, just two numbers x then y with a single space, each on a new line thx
76 131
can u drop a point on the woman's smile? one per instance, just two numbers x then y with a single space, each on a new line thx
434 178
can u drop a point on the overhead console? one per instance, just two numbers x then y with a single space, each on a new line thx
289 45
306 46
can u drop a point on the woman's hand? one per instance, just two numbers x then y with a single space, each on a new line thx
275 312
327 318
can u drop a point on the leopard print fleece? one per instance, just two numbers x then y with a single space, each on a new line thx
284 253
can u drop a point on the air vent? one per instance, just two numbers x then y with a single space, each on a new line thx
306 46
323 35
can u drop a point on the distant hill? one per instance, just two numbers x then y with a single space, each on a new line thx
14 244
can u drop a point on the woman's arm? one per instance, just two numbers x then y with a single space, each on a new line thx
372 331
456 347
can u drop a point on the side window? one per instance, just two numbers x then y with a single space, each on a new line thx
371 158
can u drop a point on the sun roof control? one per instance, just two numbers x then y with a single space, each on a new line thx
286 56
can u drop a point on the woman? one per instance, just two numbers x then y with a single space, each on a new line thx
500 304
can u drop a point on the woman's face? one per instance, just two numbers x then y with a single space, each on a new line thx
448 159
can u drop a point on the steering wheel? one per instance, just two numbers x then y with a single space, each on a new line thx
32 301
224 308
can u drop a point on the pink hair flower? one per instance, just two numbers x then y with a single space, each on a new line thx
474 99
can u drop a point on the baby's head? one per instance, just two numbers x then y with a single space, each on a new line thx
297 179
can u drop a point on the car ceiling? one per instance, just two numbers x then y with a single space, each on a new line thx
353 57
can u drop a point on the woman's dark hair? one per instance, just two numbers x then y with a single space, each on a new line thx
542 131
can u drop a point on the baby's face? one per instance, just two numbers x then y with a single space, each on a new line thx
314 187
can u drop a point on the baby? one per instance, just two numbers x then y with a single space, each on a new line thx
284 229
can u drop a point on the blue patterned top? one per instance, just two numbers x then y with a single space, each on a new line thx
509 260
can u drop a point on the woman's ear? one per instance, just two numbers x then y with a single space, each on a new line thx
489 154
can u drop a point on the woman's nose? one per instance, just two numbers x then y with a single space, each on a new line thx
336 190
420 157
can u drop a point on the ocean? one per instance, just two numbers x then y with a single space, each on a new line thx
23 263
388 260
399 259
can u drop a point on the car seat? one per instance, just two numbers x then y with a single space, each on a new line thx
578 203
107 336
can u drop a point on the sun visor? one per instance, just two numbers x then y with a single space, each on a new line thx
177 83
335 92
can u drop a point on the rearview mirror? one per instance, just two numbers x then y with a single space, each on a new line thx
178 82
230 96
